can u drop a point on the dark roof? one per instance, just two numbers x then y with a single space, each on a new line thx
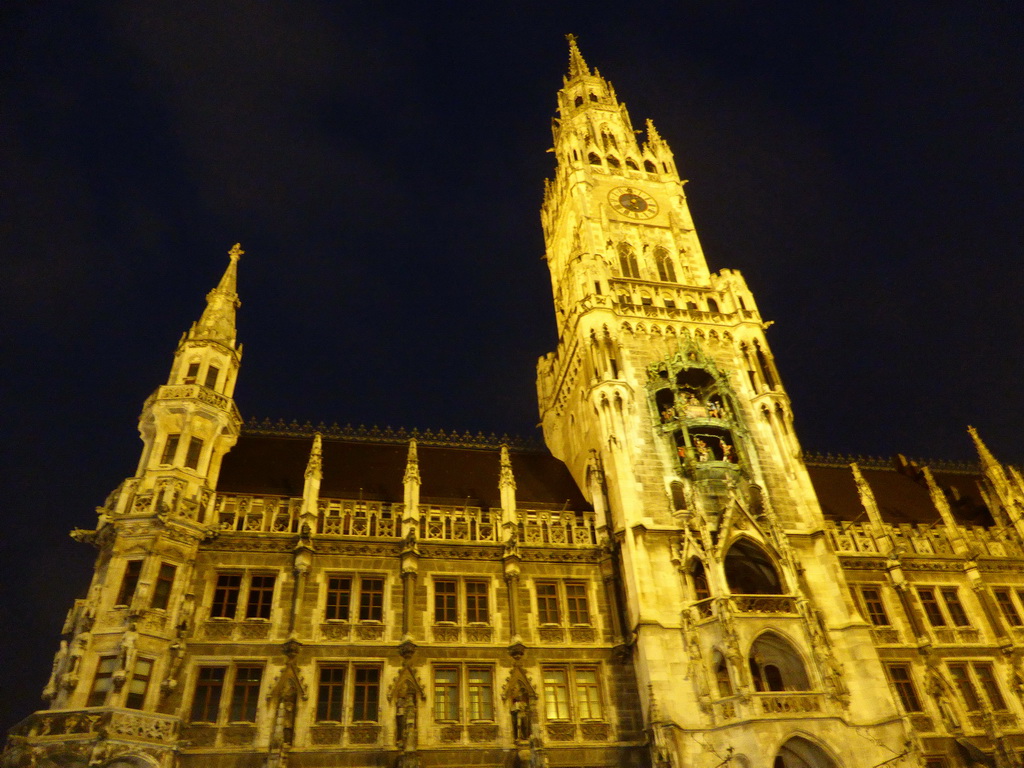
901 494
275 465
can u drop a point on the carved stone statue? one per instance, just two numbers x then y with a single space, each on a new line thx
59 659
520 709
937 690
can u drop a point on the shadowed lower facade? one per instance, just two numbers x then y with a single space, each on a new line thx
674 582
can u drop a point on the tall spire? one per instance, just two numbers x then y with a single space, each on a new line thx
218 320
577 66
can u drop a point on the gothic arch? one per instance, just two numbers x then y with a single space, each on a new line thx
776 664
697 577
801 752
751 570
721 675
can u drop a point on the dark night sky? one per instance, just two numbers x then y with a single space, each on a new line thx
859 163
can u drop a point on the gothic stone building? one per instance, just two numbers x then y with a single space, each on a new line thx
676 584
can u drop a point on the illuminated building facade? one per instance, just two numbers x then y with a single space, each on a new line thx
675 584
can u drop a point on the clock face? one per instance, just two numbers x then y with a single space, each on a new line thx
633 203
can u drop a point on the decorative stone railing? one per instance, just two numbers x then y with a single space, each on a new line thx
224 630
931 539
128 724
196 392
956 635
782 703
453 633
458 523
560 528
365 631
765 604
360 734
339 517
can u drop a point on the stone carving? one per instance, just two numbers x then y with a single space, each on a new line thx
255 630
363 734
561 731
369 632
478 634
583 634
450 734
238 735
446 634
551 635
218 630
325 734
479 733
595 731
336 630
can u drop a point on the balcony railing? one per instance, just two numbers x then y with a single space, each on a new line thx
766 604
931 539
128 724
783 703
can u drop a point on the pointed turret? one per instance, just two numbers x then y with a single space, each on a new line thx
218 320
577 66
988 461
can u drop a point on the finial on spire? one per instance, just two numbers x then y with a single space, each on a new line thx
653 137
235 252
577 66
412 464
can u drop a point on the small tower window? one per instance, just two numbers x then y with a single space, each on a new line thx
666 269
593 159
631 163
170 449
593 97
650 167
130 581
578 101
192 374
613 162
195 448
162 588
712 305
212 373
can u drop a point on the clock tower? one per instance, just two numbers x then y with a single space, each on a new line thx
664 401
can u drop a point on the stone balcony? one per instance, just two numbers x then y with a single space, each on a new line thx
128 725
745 605
787 704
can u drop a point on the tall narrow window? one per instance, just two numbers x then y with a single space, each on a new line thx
874 606
899 675
1007 607
209 688
446 693
129 582
330 694
963 682
931 606
212 373
102 682
701 590
477 611
192 374
371 600
576 603
986 677
366 695
139 684
588 694
170 449
339 598
666 268
556 694
261 597
162 588
627 261
225 596
547 602
955 608
722 678
195 449
245 695
481 694
446 607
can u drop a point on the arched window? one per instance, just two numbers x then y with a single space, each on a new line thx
801 753
627 261
666 269
701 590
613 161
766 367
722 679
593 97
712 305
750 571
578 101
594 159
776 666
631 163
649 167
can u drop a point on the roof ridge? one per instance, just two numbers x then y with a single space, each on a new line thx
391 436
815 458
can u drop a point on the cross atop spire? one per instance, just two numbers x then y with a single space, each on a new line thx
577 66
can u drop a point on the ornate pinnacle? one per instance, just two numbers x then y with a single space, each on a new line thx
412 464
506 479
653 137
218 319
577 66
988 461
316 460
